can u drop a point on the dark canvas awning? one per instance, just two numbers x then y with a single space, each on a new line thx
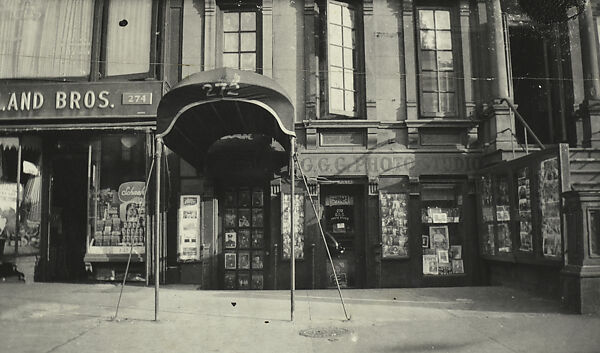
209 105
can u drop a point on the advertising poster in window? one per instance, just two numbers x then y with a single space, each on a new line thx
8 216
524 197
549 190
394 225
286 226
189 228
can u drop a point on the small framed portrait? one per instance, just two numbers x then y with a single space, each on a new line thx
257 198
425 241
244 217
257 238
457 266
230 199
244 198
443 257
230 261
438 237
244 262
257 260
230 240
244 238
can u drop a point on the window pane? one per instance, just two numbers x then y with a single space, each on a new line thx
336 99
248 41
336 77
231 60
335 34
427 39
428 61
348 37
429 103
231 22
444 40
446 81
248 61
231 42
442 19
348 79
447 102
445 62
56 42
348 58
429 81
335 55
426 19
334 13
347 17
248 20
349 101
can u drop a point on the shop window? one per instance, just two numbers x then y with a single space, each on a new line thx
56 38
117 205
437 63
341 28
241 39
441 234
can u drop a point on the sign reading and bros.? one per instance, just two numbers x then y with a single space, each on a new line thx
79 100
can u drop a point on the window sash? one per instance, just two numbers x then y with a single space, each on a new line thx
128 45
240 40
342 61
437 74
46 38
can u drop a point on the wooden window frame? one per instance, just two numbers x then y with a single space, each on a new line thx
358 56
233 6
456 60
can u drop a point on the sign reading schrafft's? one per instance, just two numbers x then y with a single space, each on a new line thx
79 100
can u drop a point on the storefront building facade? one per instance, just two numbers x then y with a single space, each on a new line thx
397 109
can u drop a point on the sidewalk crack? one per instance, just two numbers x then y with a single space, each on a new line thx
55 348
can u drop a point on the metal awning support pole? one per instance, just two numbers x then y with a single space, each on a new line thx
293 226
158 154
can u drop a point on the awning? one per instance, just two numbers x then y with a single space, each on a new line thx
209 105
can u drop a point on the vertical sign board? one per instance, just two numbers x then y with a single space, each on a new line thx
188 230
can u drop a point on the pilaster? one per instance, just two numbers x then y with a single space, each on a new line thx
311 60
410 64
210 35
267 38
370 60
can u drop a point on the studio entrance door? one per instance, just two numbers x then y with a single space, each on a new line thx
344 226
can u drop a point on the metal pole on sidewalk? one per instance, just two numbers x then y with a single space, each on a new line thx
158 153
293 228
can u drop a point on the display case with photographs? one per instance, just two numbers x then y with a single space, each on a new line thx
394 225
527 211
298 226
243 237
441 220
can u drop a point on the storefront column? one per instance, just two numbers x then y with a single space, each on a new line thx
580 278
157 230
500 122
590 108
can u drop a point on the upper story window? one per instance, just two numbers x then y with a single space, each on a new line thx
240 39
437 74
58 38
342 59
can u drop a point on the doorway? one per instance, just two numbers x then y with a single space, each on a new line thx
344 224
68 207
536 62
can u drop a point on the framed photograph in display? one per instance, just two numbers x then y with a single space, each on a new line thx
230 199
230 261
230 218
243 280
455 252
230 240
244 260
229 280
244 217
430 265
443 257
257 198
298 226
244 198
438 237
244 238
549 196
257 260
457 266
425 241
257 238
257 217
257 280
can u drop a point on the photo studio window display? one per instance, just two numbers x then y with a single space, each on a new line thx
442 239
244 238
117 195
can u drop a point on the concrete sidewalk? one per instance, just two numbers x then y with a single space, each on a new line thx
54 317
